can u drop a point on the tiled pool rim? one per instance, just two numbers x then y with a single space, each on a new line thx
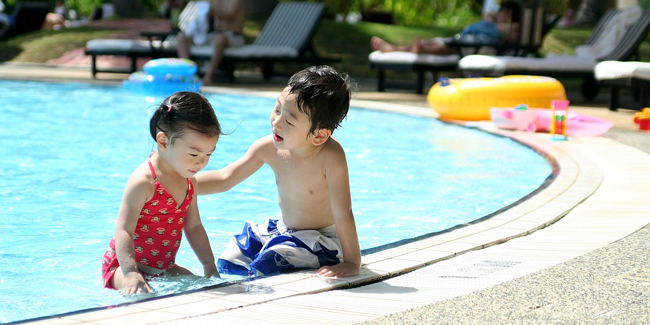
549 204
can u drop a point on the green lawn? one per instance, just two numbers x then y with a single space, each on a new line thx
348 42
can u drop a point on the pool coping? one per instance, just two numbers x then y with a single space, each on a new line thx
571 186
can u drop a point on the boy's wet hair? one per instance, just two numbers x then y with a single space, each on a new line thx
323 94
183 111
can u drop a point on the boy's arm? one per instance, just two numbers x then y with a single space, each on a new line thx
339 188
198 238
136 192
216 181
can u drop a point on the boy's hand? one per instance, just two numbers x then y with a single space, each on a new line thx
210 270
340 270
134 282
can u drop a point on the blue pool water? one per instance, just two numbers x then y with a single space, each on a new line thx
66 151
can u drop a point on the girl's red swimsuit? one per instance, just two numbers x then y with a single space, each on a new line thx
158 233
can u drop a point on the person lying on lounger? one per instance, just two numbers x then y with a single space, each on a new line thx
502 26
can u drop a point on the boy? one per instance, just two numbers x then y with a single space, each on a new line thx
316 228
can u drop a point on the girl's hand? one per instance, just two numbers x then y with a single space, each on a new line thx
134 282
210 270
340 270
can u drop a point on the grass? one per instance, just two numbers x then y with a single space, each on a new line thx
43 45
348 42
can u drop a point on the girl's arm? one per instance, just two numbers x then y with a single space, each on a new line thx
198 238
138 189
216 181
339 188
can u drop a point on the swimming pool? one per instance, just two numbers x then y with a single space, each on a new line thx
67 149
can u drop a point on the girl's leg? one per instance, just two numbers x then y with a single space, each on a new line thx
178 270
117 281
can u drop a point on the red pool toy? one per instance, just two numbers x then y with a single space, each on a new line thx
643 119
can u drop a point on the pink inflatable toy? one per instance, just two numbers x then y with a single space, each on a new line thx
539 120
578 125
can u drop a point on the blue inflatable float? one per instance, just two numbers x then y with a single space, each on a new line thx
165 77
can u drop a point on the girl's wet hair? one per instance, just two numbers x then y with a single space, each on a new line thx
184 111
323 94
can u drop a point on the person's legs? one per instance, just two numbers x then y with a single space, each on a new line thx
117 279
432 46
183 45
379 44
178 270
220 43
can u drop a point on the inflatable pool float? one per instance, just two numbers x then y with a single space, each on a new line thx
165 77
539 120
470 99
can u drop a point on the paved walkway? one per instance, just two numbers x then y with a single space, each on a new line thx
576 252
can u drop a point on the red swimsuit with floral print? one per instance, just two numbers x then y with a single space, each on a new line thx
158 233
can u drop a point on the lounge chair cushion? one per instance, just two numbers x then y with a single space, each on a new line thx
117 46
611 70
500 64
249 52
399 57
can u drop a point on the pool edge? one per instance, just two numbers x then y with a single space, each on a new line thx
536 212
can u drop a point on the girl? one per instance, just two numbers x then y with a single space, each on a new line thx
159 201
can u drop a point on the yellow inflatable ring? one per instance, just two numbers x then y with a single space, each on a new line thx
470 99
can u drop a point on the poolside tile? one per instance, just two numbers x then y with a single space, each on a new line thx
395 265
282 313
169 301
281 278
394 252
142 318
541 217
522 225
427 256
254 297
426 242
456 247
493 223
365 275
203 307
222 291
349 301
107 313
491 237
314 284
57 321
512 213
370 258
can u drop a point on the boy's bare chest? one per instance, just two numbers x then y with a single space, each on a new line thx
300 177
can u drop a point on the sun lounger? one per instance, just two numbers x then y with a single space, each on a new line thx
601 43
420 63
27 16
156 45
619 75
537 25
287 36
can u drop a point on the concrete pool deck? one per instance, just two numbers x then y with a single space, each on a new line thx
575 252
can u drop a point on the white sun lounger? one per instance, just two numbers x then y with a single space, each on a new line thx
624 47
618 75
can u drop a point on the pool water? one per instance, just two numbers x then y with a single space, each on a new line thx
67 150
